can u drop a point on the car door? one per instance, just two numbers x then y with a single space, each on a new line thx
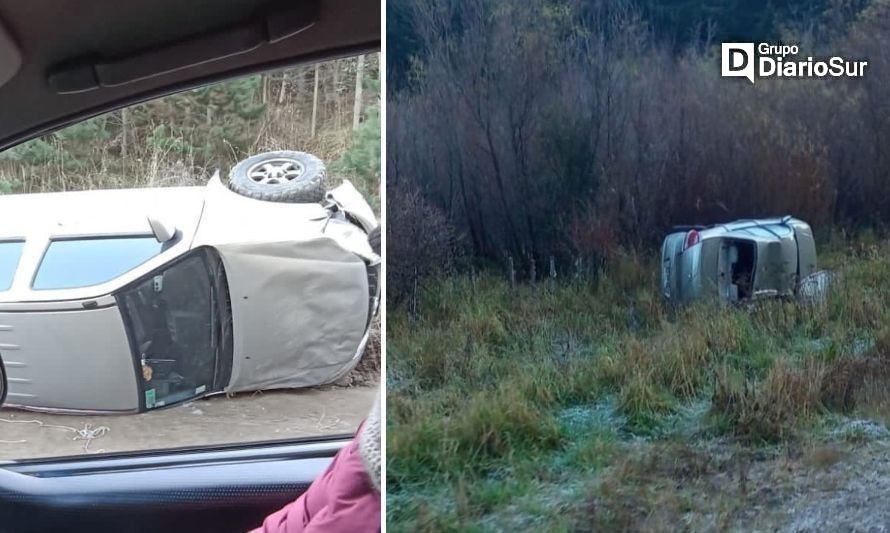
178 322
67 61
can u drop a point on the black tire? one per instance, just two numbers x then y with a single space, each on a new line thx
285 176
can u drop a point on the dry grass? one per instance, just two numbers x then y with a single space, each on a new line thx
824 455
643 491
769 410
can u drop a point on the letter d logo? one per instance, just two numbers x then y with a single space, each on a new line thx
738 60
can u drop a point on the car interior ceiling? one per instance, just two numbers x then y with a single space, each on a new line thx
79 58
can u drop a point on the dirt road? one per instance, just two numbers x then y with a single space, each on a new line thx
217 420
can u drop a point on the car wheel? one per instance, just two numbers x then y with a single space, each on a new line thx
286 176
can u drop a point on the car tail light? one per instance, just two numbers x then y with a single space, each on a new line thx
692 238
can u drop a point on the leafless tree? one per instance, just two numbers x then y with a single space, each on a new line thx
573 132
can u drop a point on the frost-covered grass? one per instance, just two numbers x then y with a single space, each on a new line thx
510 407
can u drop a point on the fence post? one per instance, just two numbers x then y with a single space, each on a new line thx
414 297
511 272
551 273
531 268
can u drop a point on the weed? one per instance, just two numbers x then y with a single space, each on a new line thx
824 456
768 411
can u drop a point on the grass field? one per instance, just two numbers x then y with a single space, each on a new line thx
591 405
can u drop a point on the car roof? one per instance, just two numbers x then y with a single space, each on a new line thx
59 215
764 229
65 60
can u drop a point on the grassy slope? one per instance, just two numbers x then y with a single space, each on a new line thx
582 403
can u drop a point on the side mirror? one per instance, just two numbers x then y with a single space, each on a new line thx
163 230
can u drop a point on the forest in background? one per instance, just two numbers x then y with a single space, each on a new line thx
674 23
329 109
563 133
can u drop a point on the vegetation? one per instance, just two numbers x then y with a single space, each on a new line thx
183 138
568 404
674 23
573 129
538 153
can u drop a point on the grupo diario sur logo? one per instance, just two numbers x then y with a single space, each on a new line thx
783 61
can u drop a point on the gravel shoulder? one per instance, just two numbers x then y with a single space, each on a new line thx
247 417
851 495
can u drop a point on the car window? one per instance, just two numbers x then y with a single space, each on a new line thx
73 263
10 252
170 338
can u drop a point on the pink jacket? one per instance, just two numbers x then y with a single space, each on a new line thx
345 498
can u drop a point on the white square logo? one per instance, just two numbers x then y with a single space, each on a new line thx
738 60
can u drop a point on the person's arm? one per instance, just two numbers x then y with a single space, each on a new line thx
348 515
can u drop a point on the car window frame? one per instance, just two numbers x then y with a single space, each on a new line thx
21 296
91 237
224 347
15 240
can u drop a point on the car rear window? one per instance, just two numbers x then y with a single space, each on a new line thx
10 252
74 263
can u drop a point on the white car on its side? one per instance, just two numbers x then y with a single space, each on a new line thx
131 300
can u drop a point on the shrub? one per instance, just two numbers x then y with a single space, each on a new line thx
420 243
769 410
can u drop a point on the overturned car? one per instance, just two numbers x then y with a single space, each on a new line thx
741 260
131 300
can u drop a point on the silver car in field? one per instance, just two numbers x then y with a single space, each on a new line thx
741 260
131 300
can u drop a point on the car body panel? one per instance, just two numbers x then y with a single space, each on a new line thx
352 201
294 342
670 273
806 248
89 375
738 260
299 341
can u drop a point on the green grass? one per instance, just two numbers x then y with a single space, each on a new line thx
507 405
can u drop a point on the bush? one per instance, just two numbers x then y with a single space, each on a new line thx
420 243
769 410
